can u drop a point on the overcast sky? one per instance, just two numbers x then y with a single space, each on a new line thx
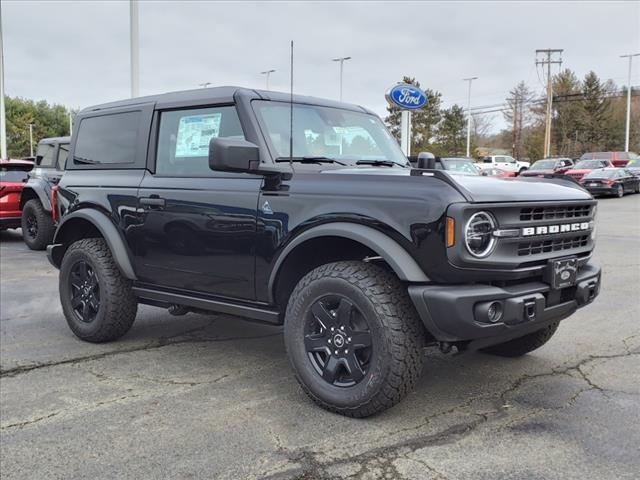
77 53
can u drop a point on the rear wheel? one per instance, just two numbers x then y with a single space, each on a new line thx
97 300
523 345
521 170
353 338
619 191
37 225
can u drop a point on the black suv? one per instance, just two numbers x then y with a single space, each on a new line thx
203 201
38 225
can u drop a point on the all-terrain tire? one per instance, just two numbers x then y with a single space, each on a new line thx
397 337
37 225
117 303
523 345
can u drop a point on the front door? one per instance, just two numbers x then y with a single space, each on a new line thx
197 228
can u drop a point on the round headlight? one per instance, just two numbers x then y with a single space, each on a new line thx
478 234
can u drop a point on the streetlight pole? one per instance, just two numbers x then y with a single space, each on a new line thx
470 79
628 122
267 73
3 118
134 47
341 60
31 139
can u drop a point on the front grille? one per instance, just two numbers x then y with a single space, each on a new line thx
553 245
554 213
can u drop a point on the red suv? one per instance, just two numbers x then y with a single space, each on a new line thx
13 175
618 159
583 167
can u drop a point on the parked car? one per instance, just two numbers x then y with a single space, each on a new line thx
581 168
363 259
13 176
454 165
496 172
38 222
611 181
548 166
504 162
618 159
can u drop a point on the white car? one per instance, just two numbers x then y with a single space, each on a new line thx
503 162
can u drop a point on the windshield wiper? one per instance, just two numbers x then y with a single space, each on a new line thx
85 160
309 160
377 163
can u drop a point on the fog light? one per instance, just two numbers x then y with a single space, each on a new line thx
494 312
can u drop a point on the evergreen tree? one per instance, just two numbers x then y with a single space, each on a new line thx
452 132
595 113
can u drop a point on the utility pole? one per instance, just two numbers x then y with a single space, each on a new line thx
470 79
626 136
70 125
341 60
547 59
3 118
31 139
267 73
514 136
134 47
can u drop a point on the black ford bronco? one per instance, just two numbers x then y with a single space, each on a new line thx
36 201
306 213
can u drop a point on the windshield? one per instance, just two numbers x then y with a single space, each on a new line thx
459 165
596 155
590 164
334 133
543 165
633 164
601 174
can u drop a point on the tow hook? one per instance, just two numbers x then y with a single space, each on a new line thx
530 309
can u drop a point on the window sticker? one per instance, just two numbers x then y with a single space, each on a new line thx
194 134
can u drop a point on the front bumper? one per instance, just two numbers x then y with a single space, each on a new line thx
457 313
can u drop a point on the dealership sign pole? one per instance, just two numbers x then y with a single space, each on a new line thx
406 97
3 118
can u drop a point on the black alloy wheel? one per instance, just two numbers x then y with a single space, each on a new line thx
338 341
32 226
85 292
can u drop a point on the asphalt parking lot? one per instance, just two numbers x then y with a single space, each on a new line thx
213 397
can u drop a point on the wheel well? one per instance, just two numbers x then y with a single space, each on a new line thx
313 253
26 195
76 229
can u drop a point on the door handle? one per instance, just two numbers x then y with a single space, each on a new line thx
152 202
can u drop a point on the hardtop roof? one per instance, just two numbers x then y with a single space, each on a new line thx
202 96
55 140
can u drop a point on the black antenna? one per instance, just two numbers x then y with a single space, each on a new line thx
291 113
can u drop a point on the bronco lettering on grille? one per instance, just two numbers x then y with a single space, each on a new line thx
550 229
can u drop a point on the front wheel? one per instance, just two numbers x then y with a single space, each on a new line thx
96 299
353 338
523 345
523 169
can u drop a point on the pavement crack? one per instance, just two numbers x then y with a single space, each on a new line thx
12 372
28 422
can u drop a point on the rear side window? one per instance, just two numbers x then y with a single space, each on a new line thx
14 174
44 155
107 139
184 136
63 153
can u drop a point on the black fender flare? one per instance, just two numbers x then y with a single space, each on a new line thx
109 231
400 261
40 188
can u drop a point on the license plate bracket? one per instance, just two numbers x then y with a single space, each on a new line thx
562 273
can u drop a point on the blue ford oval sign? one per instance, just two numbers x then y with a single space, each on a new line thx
406 96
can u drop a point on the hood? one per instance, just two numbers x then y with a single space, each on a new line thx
489 189
582 171
539 171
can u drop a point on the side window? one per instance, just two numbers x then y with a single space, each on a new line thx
107 139
63 153
44 155
486 160
184 136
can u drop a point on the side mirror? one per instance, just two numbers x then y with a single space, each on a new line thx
233 155
426 160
